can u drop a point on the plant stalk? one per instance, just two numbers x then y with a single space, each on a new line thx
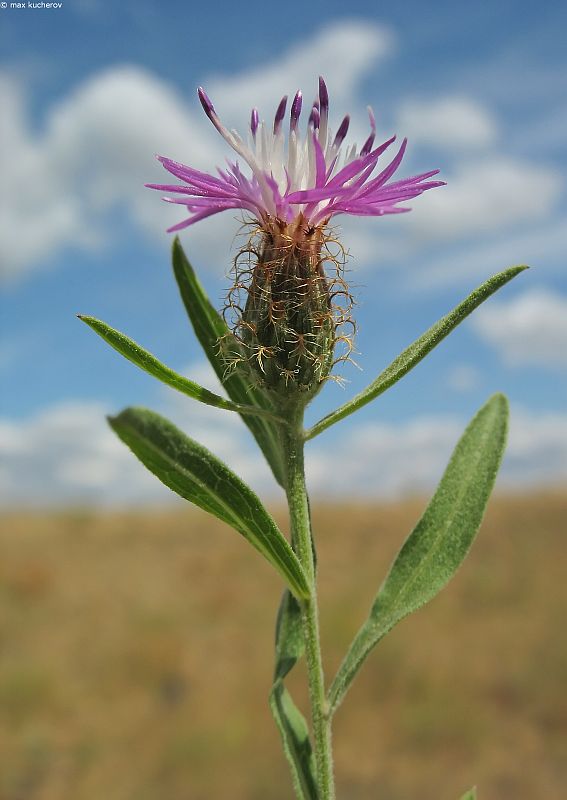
300 523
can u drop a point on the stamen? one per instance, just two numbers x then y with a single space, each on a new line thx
280 114
296 110
324 99
323 96
315 118
367 146
342 132
314 180
254 120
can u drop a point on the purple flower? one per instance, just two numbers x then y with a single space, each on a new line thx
313 180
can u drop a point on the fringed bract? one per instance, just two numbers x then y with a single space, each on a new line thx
286 312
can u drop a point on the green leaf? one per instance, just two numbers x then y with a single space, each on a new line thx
196 474
290 644
441 539
413 354
470 795
290 721
150 364
295 737
210 329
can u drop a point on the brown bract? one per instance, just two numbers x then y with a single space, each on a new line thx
289 305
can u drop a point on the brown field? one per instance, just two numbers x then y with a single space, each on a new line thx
135 659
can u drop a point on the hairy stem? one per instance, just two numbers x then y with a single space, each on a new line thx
301 539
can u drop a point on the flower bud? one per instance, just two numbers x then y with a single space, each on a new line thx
287 320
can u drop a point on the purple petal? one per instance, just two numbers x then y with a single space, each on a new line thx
208 107
277 198
320 164
381 179
195 218
359 164
351 191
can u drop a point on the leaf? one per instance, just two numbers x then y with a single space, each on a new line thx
290 644
290 721
470 795
150 364
210 328
196 474
441 539
413 354
295 738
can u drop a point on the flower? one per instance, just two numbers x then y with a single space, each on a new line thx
288 314
314 181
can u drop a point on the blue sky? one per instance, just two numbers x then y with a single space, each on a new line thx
92 90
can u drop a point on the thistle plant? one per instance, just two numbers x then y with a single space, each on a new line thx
284 331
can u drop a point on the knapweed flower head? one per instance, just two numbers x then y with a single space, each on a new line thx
288 312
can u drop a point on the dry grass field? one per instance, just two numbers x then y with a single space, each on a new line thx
135 659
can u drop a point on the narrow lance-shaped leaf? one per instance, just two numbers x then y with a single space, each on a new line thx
290 721
413 354
190 470
441 539
470 795
150 364
290 644
211 330
295 737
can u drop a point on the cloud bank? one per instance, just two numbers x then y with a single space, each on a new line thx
529 330
66 454
94 151
74 181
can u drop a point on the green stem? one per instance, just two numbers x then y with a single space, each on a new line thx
301 539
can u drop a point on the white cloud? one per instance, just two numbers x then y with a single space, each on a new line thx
34 197
487 196
537 449
392 460
384 460
343 52
488 217
66 454
66 181
538 246
92 158
458 123
530 329
95 149
463 378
